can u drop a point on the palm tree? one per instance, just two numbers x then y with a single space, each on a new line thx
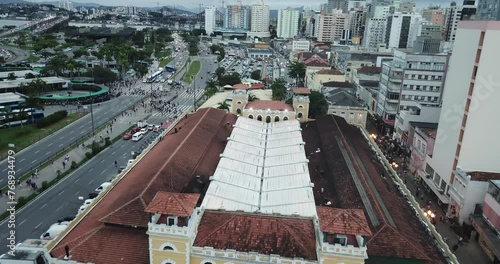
78 66
223 105
33 101
252 98
297 70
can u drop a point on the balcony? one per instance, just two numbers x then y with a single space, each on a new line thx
244 256
163 229
348 250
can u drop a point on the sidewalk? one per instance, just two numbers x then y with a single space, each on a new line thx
468 252
122 124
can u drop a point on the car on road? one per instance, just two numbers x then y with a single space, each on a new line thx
82 208
135 130
66 219
54 230
93 195
156 128
150 127
144 131
127 136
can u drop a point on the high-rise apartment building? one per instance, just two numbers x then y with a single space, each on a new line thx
434 15
307 22
453 15
336 4
488 10
356 5
259 25
406 8
467 137
288 23
375 32
210 15
332 25
429 40
402 30
237 17
357 23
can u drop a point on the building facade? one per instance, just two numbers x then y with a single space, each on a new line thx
336 4
259 25
402 30
357 23
288 23
332 25
429 40
301 45
434 16
488 10
210 14
375 32
463 137
453 15
237 17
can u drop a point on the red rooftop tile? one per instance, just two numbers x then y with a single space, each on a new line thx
179 204
268 104
343 221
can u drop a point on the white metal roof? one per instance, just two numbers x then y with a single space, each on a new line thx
263 169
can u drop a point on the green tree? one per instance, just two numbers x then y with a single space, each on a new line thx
211 88
138 38
220 72
11 76
255 75
230 79
252 98
2 60
80 52
297 70
223 105
278 88
317 104
102 75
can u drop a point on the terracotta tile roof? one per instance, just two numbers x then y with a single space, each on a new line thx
317 64
483 176
343 221
240 86
334 184
301 90
179 204
172 165
264 234
257 86
370 70
329 72
268 104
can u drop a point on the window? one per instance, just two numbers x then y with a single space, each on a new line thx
429 170
239 102
340 240
168 248
301 106
250 116
276 119
259 117
285 118
238 111
268 119
172 220
300 115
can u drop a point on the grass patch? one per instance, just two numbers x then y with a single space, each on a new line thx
32 58
193 70
23 137
165 62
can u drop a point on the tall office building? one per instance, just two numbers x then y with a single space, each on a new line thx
259 25
402 30
237 17
210 15
375 33
331 26
434 15
467 136
488 10
288 23
453 15
357 23
336 4
429 40
307 22
65 4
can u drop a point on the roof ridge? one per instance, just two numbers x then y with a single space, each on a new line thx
415 247
173 153
218 228
87 235
179 202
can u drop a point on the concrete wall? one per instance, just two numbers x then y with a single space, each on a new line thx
491 211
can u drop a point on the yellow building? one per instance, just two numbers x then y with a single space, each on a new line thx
259 208
317 77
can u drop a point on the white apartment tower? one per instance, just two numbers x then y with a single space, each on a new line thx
402 30
375 32
237 17
453 15
259 25
332 25
467 136
288 23
210 14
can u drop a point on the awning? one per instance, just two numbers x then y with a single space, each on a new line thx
443 198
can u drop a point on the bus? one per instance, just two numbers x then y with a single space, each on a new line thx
153 77
30 117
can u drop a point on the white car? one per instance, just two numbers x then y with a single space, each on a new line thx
129 162
82 208
144 131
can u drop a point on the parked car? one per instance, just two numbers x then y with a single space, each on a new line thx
66 219
93 195
121 168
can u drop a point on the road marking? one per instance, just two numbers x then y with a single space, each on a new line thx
43 206
60 193
48 152
61 137
71 138
37 151
22 222
77 193
58 208
113 153
38 225
77 180
90 170
22 160
33 161
61 145
101 161
90 182
4 169
81 132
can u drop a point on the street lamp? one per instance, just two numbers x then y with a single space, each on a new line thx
395 165
92 112
430 215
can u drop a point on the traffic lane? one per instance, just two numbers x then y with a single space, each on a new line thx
66 193
30 159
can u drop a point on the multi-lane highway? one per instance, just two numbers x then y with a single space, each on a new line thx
32 157
62 199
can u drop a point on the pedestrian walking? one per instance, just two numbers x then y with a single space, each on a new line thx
455 247
64 164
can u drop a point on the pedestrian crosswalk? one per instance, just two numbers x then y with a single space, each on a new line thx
170 115
185 94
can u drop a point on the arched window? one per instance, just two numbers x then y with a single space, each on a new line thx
238 111
207 262
268 119
168 247
259 117
285 118
250 116
168 261
300 115
276 119
301 106
239 102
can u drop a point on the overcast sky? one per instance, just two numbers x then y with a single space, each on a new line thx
274 4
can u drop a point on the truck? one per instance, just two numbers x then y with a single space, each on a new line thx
142 124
